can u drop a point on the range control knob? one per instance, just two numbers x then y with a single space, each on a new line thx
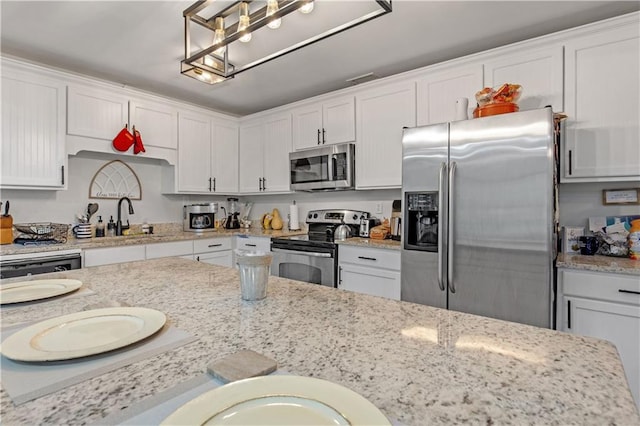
315 215
355 217
309 216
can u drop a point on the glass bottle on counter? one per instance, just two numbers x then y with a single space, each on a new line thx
111 228
100 227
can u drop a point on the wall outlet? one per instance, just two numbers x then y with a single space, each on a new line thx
379 208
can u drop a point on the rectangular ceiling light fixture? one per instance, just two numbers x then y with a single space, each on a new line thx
234 36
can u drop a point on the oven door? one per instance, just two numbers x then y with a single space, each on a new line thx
316 267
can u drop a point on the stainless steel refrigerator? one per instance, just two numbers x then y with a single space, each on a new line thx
479 231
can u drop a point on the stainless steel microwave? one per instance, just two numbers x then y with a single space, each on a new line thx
330 167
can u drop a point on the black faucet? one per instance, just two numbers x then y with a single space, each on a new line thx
119 222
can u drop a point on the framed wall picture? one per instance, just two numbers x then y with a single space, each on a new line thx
115 180
621 196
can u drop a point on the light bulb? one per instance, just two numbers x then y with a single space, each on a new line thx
202 75
307 7
243 22
218 35
272 7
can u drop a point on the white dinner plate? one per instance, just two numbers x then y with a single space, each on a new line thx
26 291
82 334
278 400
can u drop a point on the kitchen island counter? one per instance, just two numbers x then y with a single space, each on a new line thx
418 364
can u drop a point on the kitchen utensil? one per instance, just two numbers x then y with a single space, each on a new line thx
92 208
123 140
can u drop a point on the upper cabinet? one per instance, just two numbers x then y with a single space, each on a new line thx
439 89
381 114
602 105
207 155
539 72
33 142
328 122
265 144
96 115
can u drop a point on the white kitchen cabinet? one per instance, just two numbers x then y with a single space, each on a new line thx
216 251
538 71
439 89
33 154
381 114
371 271
207 154
246 242
224 156
95 115
109 255
264 154
328 122
603 106
168 249
606 306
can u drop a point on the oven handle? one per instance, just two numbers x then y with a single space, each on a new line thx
302 253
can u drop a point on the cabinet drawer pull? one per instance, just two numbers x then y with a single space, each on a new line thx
209 184
214 184
323 139
570 163
318 136
568 313
367 258
63 174
628 291
250 245
214 245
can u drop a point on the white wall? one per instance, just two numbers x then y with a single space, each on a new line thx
62 206
579 201
354 200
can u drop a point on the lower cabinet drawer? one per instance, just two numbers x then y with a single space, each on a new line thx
211 244
222 258
176 248
253 243
109 255
365 256
603 286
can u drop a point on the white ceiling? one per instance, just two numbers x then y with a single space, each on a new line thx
140 44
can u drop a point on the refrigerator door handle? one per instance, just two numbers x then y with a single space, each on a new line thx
450 227
442 177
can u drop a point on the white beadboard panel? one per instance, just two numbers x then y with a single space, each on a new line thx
32 131
96 113
157 123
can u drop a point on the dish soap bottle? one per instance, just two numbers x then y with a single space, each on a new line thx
100 227
111 228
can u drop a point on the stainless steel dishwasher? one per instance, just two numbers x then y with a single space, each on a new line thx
20 265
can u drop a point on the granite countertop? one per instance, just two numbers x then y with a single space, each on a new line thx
170 233
418 364
160 235
620 265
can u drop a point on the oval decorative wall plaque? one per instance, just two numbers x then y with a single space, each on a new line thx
115 180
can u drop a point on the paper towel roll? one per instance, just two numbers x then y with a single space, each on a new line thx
294 223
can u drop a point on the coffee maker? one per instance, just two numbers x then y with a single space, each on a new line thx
232 221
